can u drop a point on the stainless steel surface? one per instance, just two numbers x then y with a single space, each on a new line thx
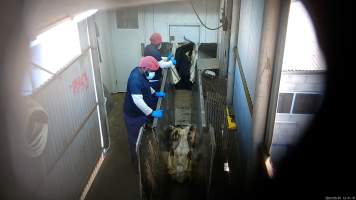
200 100
139 153
163 86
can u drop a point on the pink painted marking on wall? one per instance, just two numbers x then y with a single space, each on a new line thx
81 83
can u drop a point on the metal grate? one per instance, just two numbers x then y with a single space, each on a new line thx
152 171
214 92
215 106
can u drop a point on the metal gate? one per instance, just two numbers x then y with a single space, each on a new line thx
153 173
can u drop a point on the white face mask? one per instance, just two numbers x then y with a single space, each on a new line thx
159 46
150 75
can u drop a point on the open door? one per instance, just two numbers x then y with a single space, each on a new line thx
103 120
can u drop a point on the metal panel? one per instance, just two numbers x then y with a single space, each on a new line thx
151 166
73 143
151 143
68 99
68 177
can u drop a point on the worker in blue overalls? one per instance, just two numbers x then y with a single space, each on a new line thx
139 101
153 50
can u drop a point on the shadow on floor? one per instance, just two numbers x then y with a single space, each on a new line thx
116 178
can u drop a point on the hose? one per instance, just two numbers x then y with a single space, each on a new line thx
201 22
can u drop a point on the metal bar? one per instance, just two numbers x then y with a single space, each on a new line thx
41 68
201 97
244 83
163 84
212 157
138 144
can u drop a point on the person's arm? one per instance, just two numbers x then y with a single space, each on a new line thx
141 104
163 64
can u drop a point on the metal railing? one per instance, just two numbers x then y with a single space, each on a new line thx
153 173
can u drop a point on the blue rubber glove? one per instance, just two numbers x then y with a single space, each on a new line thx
169 56
160 94
173 61
157 114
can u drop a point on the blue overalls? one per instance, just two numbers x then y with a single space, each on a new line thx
151 50
134 117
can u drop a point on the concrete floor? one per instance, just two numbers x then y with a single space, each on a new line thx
116 178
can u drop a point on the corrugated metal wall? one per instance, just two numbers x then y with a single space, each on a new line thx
73 142
67 106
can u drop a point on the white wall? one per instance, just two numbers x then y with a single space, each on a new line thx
107 66
158 17
121 48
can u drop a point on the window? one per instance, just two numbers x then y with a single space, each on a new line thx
307 103
127 18
51 51
54 48
284 102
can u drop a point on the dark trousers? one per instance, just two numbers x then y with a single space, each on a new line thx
133 125
133 155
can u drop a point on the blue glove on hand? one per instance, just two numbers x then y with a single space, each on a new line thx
160 94
173 61
157 114
169 56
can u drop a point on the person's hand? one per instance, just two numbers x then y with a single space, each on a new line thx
169 56
173 61
157 114
160 94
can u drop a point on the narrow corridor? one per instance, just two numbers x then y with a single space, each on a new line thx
116 178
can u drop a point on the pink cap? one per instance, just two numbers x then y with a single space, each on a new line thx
156 39
149 62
